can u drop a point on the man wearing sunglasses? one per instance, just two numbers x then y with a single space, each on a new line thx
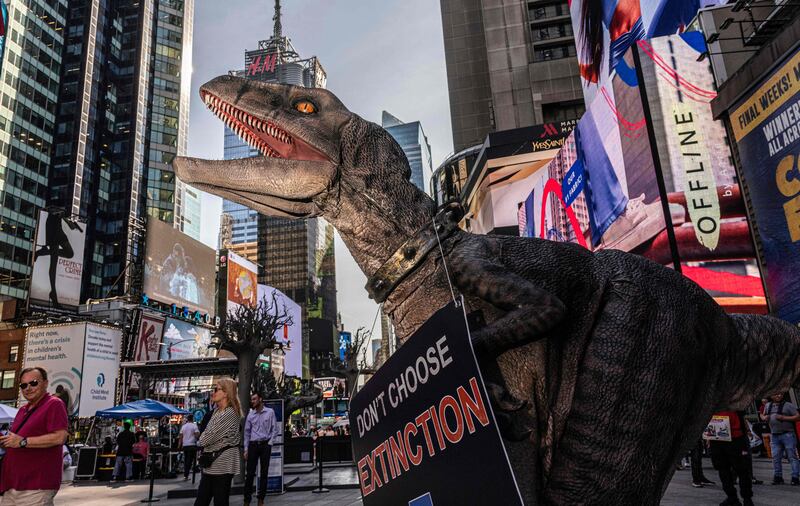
32 466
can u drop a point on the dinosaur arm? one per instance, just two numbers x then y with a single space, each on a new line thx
530 311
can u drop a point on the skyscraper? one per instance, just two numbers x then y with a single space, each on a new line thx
122 118
28 95
510 64
414 143
294 256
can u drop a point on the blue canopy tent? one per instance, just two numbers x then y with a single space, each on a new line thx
147 408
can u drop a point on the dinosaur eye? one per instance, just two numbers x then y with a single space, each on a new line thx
305 107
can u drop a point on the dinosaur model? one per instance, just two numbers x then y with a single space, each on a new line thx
603 367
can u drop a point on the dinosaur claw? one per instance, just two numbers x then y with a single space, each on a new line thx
502 399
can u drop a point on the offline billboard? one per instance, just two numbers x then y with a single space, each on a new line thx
148 338
81 359
182 340
290 336
179 270
242 282
601 188
766 128
606 29
58 260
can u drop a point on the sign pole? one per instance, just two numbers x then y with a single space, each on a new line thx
320 489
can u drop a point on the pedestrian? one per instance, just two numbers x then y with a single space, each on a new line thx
125 442
781 416
188 441
142 449
108 446
259 430
732 460
699 479
33 460
220 443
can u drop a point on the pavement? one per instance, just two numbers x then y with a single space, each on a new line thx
679 493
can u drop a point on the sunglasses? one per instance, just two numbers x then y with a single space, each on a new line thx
215 388
32 384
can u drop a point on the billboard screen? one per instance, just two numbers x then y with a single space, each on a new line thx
766 128
58 260
606 29
179 270
148 338
601 188
290 336
100 368
182 340
242 282
80 359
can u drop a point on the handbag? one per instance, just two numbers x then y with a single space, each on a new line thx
207 458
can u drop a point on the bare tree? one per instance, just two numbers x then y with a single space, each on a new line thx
295 392
354 363
247 333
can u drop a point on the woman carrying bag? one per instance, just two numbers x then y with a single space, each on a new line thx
220 442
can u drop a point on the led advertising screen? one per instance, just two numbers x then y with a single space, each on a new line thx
601 188
58 260
766 128
182 340
179 270
242 282
606 29
708 213
290 336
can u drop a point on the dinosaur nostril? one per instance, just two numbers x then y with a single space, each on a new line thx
409 253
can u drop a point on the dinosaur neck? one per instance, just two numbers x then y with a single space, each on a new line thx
377 208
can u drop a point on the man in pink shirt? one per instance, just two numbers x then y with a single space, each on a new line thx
32 465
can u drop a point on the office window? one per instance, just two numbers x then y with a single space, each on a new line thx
8 379
13 353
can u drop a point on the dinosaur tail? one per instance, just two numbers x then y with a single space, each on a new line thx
764 360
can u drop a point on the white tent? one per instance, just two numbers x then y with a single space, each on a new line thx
7 413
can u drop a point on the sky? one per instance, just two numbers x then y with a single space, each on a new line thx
378 55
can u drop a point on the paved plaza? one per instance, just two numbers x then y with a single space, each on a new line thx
679 493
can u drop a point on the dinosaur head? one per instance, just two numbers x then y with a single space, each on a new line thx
297 130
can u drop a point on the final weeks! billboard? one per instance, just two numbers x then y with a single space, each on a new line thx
179 270
288 335
424 419
58 260
766 127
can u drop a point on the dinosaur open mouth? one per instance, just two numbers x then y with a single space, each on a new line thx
268 138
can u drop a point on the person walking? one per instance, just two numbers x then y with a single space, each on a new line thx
33 461
188 441
732 460
220 443
781 416
699 479
259 430
125 442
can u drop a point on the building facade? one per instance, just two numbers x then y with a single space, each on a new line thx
510 64
414 143
29 90
122 118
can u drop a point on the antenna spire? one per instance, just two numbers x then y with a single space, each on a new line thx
277 18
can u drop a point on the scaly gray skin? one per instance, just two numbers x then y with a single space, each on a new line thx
619 362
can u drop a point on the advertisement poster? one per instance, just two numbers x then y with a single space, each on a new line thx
290 336
100 368
601 189
148 339
58 260
275 481
606 29
59 349
396 460
718 429
182 340
242 282
345 339
766 128
179 270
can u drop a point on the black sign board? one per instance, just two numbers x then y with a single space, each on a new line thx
423 429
